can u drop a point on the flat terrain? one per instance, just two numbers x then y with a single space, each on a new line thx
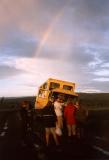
11 146
93 148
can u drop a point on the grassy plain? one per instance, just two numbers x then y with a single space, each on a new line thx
96 103
90 100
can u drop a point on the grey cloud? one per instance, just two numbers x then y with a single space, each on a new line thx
90 16
95 7
80 55
88 13
100 86
52 54
92 11
104 54
54 6
18 44
76 54
101 54
7 71
34 15
86 21
90 20
103 86
92 57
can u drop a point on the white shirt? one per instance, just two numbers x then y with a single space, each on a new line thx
58 108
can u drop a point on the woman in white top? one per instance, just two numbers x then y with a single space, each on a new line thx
58 107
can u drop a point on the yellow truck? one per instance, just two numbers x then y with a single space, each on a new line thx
54 88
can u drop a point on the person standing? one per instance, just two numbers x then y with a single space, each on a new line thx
58 107
24 119
49 120
81 119
69 115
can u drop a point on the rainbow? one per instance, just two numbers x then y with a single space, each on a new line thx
49 30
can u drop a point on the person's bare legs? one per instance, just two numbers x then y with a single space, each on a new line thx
47 135
54 135
73 129
69 130
59 123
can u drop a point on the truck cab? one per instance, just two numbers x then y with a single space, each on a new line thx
54 88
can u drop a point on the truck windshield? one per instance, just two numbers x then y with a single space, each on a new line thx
54 85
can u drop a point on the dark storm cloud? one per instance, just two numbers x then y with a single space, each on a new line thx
7 71
17 43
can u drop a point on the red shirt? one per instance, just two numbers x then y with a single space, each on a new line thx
69 114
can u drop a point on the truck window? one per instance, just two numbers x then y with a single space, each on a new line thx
42 93
54 85
66 87
45 86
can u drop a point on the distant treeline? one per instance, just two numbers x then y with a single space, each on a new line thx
12 102
95 99
88 99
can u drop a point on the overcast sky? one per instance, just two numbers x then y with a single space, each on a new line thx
62 39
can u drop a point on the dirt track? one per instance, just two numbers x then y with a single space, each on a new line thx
11 147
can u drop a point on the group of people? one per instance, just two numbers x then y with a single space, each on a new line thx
57 115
